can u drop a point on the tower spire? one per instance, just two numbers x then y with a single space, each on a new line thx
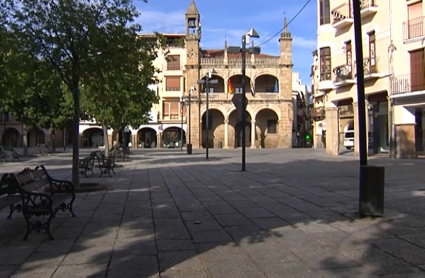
285 33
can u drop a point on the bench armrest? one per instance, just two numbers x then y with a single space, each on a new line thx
36 202
61 186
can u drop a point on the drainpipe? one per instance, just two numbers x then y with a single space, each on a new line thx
391 49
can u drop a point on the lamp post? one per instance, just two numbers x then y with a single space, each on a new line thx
189 144
181 122
207 82
252 50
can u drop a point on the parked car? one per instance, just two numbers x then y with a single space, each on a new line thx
349 139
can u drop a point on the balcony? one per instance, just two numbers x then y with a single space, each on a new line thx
342 16
368 8
317 113
219 96
413 29
408 84
343 76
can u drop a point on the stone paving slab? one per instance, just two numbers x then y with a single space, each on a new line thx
293 213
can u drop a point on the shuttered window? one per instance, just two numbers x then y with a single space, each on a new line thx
325 12
174 110
417 79
173 62
415 22
325 63
165 109
172 83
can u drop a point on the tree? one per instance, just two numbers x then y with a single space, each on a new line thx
69 35
117 92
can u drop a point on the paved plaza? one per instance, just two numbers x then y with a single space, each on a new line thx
293 213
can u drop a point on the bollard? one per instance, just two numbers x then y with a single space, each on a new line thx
371 193
189 148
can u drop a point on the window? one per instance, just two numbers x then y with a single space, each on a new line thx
173 62
204 123
325 63
415 22
238 90
372 53
172 83
325 12
170 110
349 55
271 126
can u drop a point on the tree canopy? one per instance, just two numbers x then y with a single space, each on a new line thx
71 38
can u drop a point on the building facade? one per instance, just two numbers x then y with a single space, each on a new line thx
173 123
393 64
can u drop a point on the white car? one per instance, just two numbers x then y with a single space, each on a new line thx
349 139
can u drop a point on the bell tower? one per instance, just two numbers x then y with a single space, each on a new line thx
285 87
193 61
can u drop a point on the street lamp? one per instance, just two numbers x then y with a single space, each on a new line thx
207 82
252 50
182 103
189 144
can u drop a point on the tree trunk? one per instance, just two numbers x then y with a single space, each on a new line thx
53 140
105 138
25 140
117 137
64 139
76 138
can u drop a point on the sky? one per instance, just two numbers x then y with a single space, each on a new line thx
230 19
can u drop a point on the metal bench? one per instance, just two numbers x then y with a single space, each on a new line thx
9 196
105 164
86 164
36 202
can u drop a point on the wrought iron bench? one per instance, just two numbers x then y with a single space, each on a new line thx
105 164
11 153
86 164
37 203
117 153
9 196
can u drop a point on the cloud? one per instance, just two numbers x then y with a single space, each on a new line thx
172 22
304 43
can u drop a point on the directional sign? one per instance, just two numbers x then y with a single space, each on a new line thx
237 101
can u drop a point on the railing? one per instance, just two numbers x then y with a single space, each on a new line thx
342 12
413 28
342 73
346 110
370 65
317 112
257 96
271 61
367 4
408 83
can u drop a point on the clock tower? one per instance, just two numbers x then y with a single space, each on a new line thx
193 61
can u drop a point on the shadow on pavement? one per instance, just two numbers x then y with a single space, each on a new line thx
171 215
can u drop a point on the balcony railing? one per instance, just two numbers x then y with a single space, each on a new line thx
342 15
370 65
413 28
364 4
342 73
258 96
317 112
408 83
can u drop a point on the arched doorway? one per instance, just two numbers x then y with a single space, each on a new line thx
216 88
234 122
124 137
266 83
146 138
215 129
11 137
236 82
171 137
92 137
35 136
267 132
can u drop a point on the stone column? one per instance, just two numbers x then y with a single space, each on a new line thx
253 131
226 134
332 130
159 140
